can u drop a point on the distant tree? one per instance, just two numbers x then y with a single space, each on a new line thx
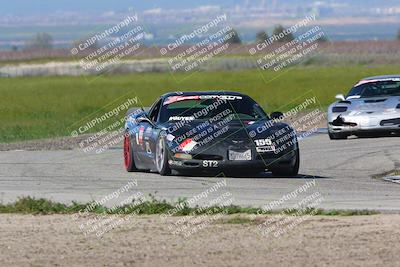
14 48
279 30
398 35
41 41
234 37
261 36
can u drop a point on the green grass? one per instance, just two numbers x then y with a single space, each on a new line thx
44 107
29 205
60 59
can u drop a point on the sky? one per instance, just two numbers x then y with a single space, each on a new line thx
23 7
32 16
43 6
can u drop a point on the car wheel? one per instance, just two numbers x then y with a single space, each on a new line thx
337 136
288 170
162 157
129 160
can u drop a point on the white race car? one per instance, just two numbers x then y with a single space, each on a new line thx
371 107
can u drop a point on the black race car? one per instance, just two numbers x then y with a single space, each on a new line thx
208 131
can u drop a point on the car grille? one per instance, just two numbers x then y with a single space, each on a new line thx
374 101
339 109
207 157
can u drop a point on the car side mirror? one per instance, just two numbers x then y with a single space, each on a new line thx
145 118
340 97
277 115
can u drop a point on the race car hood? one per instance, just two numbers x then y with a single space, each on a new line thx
368 105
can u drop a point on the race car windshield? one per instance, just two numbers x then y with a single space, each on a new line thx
375 89
179 108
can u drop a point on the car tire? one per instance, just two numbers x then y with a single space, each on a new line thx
161 158
129 160
337 136
291 170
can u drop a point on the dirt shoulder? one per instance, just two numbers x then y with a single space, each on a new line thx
27 240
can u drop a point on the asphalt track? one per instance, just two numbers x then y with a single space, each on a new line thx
343 172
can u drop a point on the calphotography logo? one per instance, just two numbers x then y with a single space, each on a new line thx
103 130
283 49
209 208
104 51
102 222
305 206
210 40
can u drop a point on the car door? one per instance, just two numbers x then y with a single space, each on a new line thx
151 136
147 135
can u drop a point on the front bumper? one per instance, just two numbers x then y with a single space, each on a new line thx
258 162
364 123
